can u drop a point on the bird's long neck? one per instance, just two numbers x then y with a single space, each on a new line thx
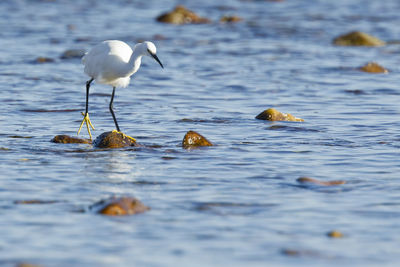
134 62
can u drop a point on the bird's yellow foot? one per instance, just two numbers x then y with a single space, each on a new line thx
86 120
124 135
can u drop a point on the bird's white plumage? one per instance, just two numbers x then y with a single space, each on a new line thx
112 62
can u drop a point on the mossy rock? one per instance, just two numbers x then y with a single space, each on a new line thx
181 15
357 39
66 139
373 67
114 139
193 139
272 114
119 206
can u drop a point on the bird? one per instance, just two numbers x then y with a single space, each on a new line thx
113 62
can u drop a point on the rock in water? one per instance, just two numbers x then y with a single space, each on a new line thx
114 139
230 19
24 264
335 234
305 180
66 139
43 60
120 206
181 15
373 67
73 53
194 139
272 114
357 39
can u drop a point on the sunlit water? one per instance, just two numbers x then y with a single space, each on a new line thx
234 204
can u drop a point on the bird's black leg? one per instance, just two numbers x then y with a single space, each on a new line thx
87 95
86 114
111 109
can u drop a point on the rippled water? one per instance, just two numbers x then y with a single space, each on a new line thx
234 204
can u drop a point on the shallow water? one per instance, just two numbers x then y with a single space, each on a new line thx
234 204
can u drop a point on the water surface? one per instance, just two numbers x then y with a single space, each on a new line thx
237 203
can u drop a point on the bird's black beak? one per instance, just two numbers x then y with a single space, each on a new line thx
157 59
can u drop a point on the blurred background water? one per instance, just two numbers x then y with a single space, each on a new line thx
234 204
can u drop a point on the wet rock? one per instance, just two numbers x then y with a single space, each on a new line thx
335 234
305 180
66 139
356 92
194 139
114 139
272 114
20 136
43 60
373 67
118 206
181 15
73 53
230 19
83 39
357 39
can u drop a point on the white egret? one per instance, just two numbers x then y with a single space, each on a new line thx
113 62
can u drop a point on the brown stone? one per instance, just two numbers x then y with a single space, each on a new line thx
272 114
318 182
194 139
230 19
66 139
43 60
121 206
114 139
290 252
181 15
357 39
335 234
373 67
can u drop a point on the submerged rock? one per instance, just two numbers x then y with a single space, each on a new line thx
181 15
272 114
73 53
373 67
335 234
66 139
117 206
301 253
194 139
25 264
305 180
230 19
357 39
114 139
43 60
